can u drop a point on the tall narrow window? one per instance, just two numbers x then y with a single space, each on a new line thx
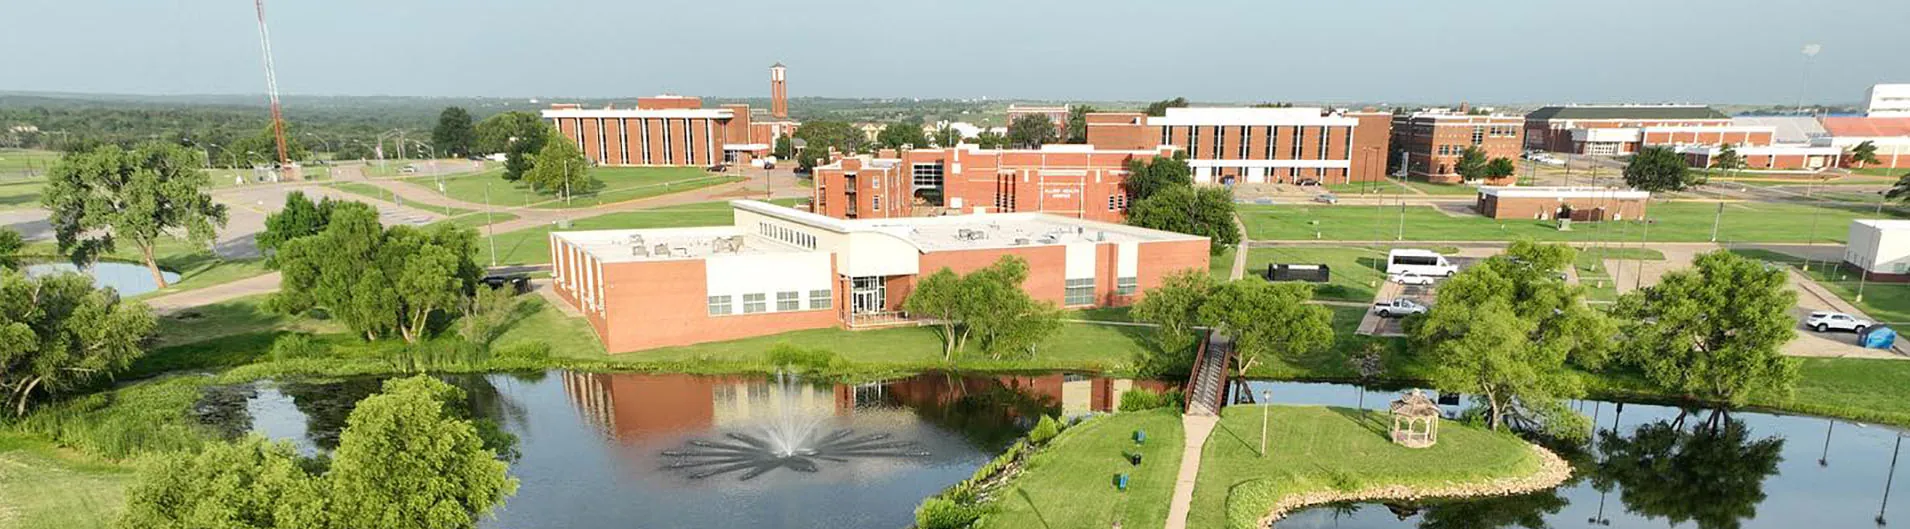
669 156
1270 140
1244 137
1324 135
1167 134
1299 137
1220 137
1193 141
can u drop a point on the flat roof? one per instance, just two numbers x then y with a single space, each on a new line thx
1884 224
974 231
1626 112
1564 192
617 246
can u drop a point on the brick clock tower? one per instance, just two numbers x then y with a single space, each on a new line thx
778 93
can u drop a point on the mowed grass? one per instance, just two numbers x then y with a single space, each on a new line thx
1884 302
378 193
619 184
1596 279
531 246
1356 271
1316 448
1221 265
1443 189
46 487
20 194
26 163
1070 484
1671 222
1380 187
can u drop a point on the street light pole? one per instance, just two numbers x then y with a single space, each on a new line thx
1266 404
490 231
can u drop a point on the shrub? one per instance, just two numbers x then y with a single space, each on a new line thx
523 351
1044 431
938 513
1141 399
294 346
785 355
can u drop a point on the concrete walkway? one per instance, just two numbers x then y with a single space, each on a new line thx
228 291
1240 251
1196 428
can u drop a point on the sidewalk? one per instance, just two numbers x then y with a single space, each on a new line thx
1197 427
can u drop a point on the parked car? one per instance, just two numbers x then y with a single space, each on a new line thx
1825 321
1307 182
1398 307
1328 198
1411 278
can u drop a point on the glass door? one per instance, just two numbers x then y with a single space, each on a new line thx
868 295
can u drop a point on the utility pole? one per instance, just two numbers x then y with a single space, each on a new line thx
490 231
1716 219
1265 406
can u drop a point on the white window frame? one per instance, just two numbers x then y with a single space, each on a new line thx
723 301
821 299
760 304
789 301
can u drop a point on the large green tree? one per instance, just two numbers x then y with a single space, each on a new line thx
1659 168
561 169
248 484
1728 159
1472 164
454 135
1146 177
59 333
496 133
1506 329
1267 320
407 461
1031 131
100 197
947 136
785 148
300 217
822 135
1864 153
1174 308
989 139
10 245
1078 123
988 306
1500 168
1159 108
1204 211
1715 332
905 132
378 281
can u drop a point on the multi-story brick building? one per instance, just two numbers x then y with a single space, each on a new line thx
1080 181
1429 142
777 269
1611 130
673 130
1055 114
1254 145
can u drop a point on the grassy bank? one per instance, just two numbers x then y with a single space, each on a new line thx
45 487
1314 448
1671 222
1070 483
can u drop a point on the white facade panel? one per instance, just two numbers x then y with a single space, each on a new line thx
1127 259
1080 260
740 274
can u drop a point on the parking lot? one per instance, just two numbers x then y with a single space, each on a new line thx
1374 325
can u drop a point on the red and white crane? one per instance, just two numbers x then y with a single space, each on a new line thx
272 85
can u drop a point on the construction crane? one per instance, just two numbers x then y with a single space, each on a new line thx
272 85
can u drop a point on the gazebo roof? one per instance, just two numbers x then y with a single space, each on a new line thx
1415 404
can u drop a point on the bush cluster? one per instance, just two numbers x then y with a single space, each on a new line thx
1142 399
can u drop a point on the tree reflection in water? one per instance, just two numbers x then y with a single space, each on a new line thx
1523 510
1711 474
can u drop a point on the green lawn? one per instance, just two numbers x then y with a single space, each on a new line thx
478 220
1882 171
1315 448
619 184
1672 222
1356 275
382 194
1077 346
20 194
1596 279
1069 484
26 163
44 487
1354 189
532 245
1443 189
1885 302
1221 265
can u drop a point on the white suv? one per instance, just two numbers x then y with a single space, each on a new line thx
1825 321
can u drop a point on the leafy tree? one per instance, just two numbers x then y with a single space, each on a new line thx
820 136
251 483
10 245
988 305
454 135
58 333
906 132
299 218
262 147
1505 330
1899 190
1145 177
1658 169
1159 108
1031 131
1864 153
989 139
378 281
496 133
520 154
407 462
1500 168
101 196
1712 476
1715 332
1206 211
1728 158
1267 320
785 148
1174 309
561 169
1472 164
947 136
486 314
1078 123
1367 366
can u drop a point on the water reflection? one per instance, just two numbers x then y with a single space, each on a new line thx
1711 473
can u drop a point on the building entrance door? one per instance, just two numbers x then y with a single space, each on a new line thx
868 295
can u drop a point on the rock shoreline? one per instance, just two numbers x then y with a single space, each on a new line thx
1553 471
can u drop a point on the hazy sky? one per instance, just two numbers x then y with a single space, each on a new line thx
1723 51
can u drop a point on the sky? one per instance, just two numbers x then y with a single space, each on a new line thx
1404 51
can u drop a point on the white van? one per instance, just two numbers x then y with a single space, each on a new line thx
1421 262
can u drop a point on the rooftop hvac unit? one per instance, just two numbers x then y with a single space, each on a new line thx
639 250
721 245
1049 239
636 239
661 249
1021 241
1100 236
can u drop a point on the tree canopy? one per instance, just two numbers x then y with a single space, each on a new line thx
496 133
947 136
1031 131
299 218
987 305
10 245
1728 158
1174 308
1658 168
989 139
784 149
822 135
1204 211
905 132
99 197
1714 332
1159 108
1078 123
562 170
454 135
1864 153
1268 320
1145 177
1472 164
378 281
1500 168
59 333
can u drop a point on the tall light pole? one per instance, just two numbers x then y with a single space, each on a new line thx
490 232
1266 405
325 142
1804 84
1891 477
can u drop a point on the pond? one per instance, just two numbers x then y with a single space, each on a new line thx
128 278
666 450
1657 467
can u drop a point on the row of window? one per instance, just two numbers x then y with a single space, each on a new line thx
787 301
643 128
1117 202
926 174
785 234
1297 133
1081 291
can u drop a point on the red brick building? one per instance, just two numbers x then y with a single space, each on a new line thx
672 130
1055 114
1611 130
1255 145
1430 142
777 269
1547 203
1079 181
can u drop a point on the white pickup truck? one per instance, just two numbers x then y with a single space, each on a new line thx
1397 307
